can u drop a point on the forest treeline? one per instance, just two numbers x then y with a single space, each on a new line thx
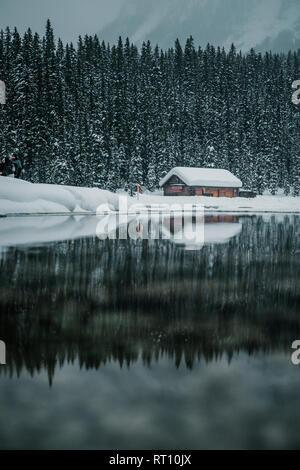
116 115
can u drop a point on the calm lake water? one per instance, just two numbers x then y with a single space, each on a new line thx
146 345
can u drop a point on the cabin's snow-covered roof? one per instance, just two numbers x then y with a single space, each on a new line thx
203 177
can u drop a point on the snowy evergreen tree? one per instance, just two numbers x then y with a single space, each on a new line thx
116 116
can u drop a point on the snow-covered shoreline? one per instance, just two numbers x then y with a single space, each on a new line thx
263 204
18 197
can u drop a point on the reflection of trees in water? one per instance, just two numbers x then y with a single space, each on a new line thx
102 301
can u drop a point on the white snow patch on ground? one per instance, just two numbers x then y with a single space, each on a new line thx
19 197
22 197
237 204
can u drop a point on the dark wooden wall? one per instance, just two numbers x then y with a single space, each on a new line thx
176 187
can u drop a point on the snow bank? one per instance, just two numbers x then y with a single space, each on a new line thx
19 197
22 197
238 204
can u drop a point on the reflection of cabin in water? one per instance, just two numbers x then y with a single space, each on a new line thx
188 181
175 223
216 229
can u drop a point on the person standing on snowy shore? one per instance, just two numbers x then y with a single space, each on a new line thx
18 165
7 168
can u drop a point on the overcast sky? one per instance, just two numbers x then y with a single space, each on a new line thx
87 16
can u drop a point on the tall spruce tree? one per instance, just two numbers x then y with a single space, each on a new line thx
115 116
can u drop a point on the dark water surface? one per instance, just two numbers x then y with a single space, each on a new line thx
143 344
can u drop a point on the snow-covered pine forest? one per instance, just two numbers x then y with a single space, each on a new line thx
116 115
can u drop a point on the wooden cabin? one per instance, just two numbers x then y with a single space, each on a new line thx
188 181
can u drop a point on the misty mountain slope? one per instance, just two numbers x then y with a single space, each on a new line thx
263 24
